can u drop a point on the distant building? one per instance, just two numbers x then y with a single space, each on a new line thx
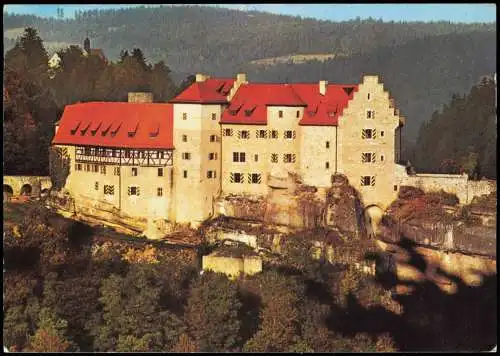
88 51
54 61
228 136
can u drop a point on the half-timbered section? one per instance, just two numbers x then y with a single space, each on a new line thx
121 154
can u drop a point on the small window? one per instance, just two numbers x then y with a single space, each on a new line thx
274 158
87 167
289 158
395 188
327 144
214 116
213 138
254 178
280 114
244 134
103 169
159 192
96 168
134 171
185 173
367 180
256 158
261 134
381 133
78 167
370 114
273 134
298 114
382 158
184 138
184 116
367 157
160 172
133 191
368 96
211 174
96 185
109 189
239 157
367 134
289 134
116 171
227 132
186 155
327 165
236 178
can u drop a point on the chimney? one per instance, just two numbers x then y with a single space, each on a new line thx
201 77
241 78
322 86
138 97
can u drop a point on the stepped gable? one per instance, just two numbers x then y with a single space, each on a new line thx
117 124
209 91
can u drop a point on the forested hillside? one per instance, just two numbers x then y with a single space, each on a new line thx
462 136
421 75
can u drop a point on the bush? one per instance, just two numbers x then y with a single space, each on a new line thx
407 192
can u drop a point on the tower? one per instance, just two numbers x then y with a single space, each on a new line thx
86 45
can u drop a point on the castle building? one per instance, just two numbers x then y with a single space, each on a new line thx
225 136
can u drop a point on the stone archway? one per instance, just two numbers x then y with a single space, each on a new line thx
373 217
26 190
8 192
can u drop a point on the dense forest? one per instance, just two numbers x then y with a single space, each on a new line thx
66 288
421 63
34 97
462 136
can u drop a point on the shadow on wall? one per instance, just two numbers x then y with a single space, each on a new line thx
431 319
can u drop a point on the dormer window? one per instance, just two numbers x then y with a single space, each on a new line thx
114 132
83 131
249 112
155 131
73 130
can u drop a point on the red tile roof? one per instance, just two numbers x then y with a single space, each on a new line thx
249 105
117 124
210 91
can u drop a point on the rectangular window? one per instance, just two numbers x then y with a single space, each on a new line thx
382 158
236 178
109 189
298 114
103 169
244 134
160 172
134 171
370 114
367 157
159 192
96 168
227 132
87 167
327 144
256 158
186 155
185 173
273 134
368 96
368 180
289 158
261 133
133 191
96 185
211 174
184 116
78 167
214 116
254 178
395 188
367 134
327 165
274 157
381 133
289 134
213 138
238 156
116 171
280 114
184 138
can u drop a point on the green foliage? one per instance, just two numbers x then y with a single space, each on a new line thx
213 300
59 166
462 136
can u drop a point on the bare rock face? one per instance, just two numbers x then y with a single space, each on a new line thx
343 207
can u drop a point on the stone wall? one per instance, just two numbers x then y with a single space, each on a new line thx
460 185
232 266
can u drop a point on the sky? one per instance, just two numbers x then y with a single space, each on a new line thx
335 12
